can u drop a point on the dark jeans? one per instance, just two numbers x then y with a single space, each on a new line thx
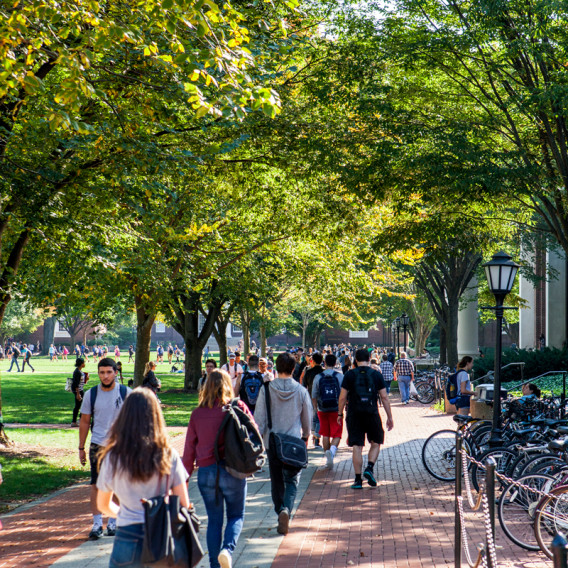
388 386
27 362
78 403
127 548
283 481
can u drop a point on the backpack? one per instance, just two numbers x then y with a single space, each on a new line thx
17 351
251 383
365 391
243 443
452 388
94 391
328 391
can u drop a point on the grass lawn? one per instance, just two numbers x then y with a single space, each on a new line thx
42 459
41 398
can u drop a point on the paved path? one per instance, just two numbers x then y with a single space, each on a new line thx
408 522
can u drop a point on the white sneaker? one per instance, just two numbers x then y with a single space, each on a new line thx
329 458
225 559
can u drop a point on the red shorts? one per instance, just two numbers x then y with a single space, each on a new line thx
329 426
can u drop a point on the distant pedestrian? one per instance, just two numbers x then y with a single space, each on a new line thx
387 370
116 353
80 378
27 357
170 353
403 370
360 390
64 353
219 489
14 357
130 354
52 353
291 412
133 475
150 380
210 366
464 385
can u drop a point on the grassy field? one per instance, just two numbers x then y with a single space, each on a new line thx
42 459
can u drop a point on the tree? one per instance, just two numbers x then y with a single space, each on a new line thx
20 318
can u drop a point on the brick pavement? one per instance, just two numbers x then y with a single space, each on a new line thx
407 523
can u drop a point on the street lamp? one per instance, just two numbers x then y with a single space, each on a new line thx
500 272
397 324
404 320
393 333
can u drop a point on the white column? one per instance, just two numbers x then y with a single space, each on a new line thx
527 317
468 322
556 300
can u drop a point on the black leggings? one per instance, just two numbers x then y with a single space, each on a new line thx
78 403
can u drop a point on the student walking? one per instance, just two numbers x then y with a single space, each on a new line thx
230 492
27 356
14 357
137 462
291 413
101 405
78 388
404 373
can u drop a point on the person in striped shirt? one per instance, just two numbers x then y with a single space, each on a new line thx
404 374
386 370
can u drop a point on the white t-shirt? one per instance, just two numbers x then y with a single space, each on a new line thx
463 382
130 492
107 407
234 370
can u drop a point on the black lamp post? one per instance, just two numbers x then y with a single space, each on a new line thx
404 320
393 333
500 272
397 325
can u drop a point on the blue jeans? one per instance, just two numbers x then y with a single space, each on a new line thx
127 548
232 493
283 482
316 425
388 386
14 360
404 386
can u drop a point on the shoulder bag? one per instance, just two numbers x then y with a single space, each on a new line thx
290 450
170 533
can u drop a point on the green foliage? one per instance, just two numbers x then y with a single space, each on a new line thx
20 318
536 363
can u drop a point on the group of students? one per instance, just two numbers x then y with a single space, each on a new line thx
131 457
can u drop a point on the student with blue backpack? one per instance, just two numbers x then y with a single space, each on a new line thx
251 384
325 397
458 386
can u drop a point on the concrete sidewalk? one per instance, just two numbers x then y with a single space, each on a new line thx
408 521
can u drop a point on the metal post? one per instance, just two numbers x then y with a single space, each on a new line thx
404 332
563 398
560 551
458 492
490 465
496 432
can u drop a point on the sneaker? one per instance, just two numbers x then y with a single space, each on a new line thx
111 531
96 533
368 475
357 485
283 522
225 559
329 458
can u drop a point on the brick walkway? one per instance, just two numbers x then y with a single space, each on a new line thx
407 523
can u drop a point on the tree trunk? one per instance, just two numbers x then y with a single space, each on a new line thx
443 348
246 333
144 322
452 332
263 339
220 334
193 360
48 333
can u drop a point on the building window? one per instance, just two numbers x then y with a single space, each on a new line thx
358 335
236 331
160 327
60 332
201 322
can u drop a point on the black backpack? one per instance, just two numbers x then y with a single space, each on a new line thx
365 391
328 391
244 447
251 383
452 388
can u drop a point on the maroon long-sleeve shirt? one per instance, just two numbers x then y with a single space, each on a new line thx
201 435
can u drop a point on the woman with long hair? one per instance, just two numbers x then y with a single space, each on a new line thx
137 463
150 380
464 385
199 450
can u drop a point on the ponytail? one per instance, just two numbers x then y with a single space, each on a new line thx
464 361
149 366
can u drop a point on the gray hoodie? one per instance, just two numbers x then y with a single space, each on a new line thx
291 409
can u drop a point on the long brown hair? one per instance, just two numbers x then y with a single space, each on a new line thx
464 361
138 442
218 386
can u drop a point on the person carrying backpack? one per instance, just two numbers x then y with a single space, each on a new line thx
463 385
251 383
325 397
360 390
219 488
15 355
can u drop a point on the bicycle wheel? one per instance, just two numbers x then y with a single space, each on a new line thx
551 518
426 393
517 509
547 464
504 458
439 455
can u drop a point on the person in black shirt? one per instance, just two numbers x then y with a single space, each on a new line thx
310 372
360 390
78 387
150 380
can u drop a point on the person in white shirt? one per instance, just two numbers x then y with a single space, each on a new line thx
263 368
235 372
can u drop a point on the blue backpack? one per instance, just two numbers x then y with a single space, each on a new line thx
251 383
328 391
452 388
